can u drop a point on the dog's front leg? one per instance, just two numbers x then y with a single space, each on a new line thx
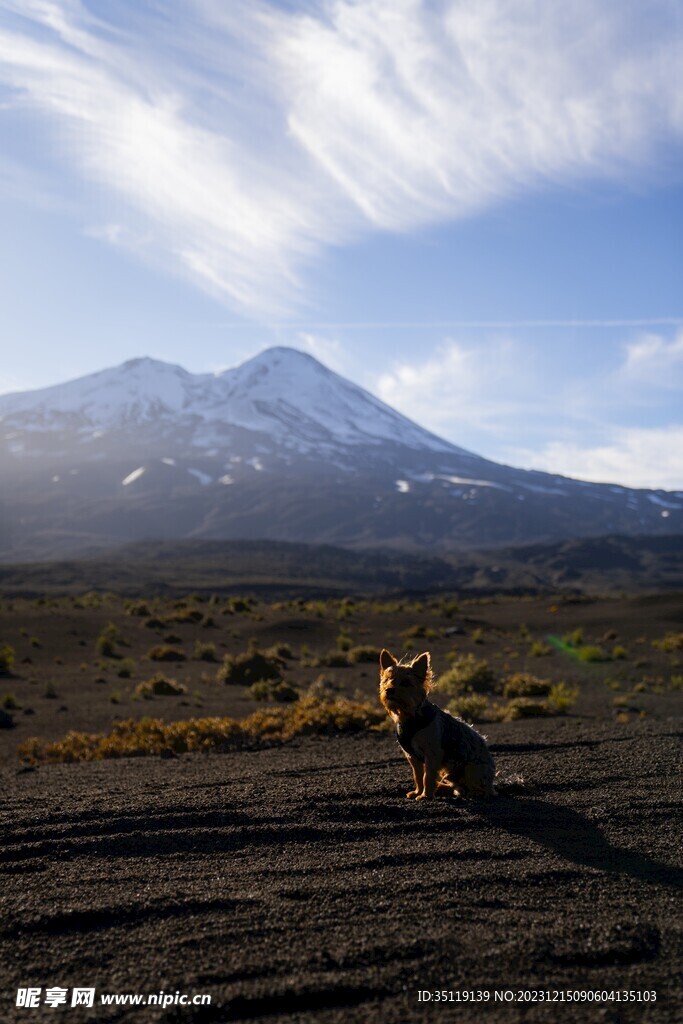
431 773
417 777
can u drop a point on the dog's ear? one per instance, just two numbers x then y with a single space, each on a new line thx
421 666
386 659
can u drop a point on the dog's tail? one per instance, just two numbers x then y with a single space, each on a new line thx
512 785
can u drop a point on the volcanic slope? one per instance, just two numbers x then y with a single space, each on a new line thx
278 448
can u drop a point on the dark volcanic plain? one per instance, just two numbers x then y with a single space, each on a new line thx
296 882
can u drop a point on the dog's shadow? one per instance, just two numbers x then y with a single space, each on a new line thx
574 837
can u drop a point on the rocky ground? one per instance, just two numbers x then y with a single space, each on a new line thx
297 883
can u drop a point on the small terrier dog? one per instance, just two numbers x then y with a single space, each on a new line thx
448 757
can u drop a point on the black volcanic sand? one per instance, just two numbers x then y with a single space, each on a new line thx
297 883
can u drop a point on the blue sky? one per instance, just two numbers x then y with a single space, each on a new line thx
472 209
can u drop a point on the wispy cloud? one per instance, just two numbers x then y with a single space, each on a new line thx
240 140
639 457
463 390
595 426
654 359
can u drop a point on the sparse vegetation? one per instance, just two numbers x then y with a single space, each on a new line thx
522 707
471 707
343 641
204 652
252 666
163 652
185 615
125 668
669 642
148 736
591 652
159 686
331 659
524 684
105 645
467 674
140 608
282 692
7 657
365 653
562 697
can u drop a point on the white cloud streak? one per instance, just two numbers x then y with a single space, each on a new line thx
654 360
486 397
636 457
462 388
239 141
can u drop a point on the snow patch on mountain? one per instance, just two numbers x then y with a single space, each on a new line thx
132 477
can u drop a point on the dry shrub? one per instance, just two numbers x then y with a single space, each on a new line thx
159 686
559 699
140 608
279 650
562 697
324 688
307 717
591 652
204 651
670 642
467 675
472 707
311 716
332 659
524 684
522 707
282 692
162 652
7 656
249 667
185 615
365 653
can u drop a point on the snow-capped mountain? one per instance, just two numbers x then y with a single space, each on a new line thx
279 447
285 395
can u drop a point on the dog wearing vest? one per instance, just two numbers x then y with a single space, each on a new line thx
447 756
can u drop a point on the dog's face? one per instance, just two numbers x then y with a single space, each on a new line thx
402 688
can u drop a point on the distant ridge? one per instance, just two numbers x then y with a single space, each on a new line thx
279 569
